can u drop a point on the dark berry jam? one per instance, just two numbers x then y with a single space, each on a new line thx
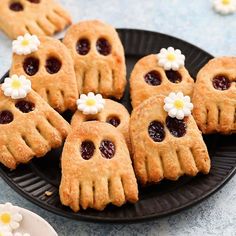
16 6
6 117
107 149
115 121
87 150
34 1
31 66
176 127
25 106
153 78
83 46
53 65
103 47
156 131
221 82
173 76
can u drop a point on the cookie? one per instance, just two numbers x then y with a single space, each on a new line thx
165 147
98 57
29 128
148 78
214 96
40 17
51 71
113 113
96 168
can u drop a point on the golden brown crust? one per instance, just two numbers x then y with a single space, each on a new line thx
94 72
214 110
170 158
140 90
98 181
58 89
44 18
29 134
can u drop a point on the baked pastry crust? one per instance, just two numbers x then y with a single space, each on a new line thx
171 158
58 89
111 109
214 110
94 72
140 90
30 134
44 18
98 181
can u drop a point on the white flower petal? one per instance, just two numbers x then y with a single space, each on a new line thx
91 95
172 113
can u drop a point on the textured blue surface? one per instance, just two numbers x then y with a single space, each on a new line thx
195 22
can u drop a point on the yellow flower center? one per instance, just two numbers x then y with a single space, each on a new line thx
171 57
6 218
90 102
179 104
25 42
16 84
226 2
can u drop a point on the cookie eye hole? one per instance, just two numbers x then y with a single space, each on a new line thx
16 6
87 150
221 82
103 46
34 1
25 106
53 65
153 78
177 128
156 131
173 76
107 149
31 65
6 117
83 46
113 120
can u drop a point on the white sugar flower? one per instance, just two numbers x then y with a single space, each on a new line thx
16 86
91 103
20 234
5 232
177 105
170 59
26 44
9 216
224 7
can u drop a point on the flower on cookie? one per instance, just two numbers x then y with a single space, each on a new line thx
21 234
26 44
224 7
91 103
5 231
177 105
170 58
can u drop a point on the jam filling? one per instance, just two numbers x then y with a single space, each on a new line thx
34 1
87 150
221 82
107 149
153 78
156 131
6 117
53 65
25 106
103 47
173 76
83 46
16 6
31 66
177 128
115 121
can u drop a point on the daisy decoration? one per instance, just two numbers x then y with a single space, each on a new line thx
224 7
5 232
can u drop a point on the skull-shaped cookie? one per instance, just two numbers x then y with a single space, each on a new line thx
214 96
165 147
98 58
113 113
28 127
51 72
96 168
39 17
149 79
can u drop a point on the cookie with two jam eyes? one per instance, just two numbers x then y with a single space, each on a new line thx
165 147
39 17
149 79
51 72
96 168
113 113
98 56
29 128
214 96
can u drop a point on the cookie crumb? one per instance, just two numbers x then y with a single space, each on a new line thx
48 193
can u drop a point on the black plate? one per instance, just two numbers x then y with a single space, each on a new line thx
40 175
